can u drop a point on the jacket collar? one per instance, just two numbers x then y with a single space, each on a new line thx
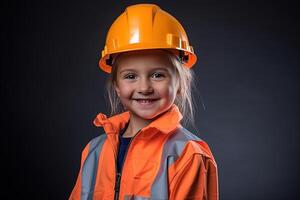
165 123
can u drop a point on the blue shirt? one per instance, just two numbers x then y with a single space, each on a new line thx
123 146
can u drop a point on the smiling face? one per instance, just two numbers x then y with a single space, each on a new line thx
145 83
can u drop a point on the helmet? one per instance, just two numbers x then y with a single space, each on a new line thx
146 26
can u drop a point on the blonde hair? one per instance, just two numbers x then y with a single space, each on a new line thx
183 100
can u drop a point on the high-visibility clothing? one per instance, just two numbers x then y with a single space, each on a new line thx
146 26
164 161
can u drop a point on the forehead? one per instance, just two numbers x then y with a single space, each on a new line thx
146 59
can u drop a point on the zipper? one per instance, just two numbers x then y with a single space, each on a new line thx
119 174
117 185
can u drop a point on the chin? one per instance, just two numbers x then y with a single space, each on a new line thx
147 117
150 116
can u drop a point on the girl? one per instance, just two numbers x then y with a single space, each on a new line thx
145 152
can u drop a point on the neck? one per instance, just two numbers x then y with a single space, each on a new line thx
135 124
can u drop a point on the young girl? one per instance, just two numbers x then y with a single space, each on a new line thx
144 151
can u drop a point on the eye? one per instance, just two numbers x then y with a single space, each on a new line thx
158 75
129 76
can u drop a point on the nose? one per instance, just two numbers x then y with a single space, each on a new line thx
145 86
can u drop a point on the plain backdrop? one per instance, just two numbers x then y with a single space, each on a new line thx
247 96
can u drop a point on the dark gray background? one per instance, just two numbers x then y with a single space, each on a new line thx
248 91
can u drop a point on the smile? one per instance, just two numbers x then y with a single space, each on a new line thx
145 101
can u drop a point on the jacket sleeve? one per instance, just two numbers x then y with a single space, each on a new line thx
76 192
195 179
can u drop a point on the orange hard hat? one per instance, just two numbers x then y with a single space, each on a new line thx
146 26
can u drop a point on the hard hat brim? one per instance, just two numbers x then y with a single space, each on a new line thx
192 58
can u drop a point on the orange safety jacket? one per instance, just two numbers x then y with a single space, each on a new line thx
163 161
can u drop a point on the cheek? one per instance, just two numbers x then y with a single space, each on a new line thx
125 90
166 90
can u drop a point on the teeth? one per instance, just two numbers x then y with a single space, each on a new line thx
145 100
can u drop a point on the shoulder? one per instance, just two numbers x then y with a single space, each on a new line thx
96 143
192 154
188 144
190 150
93 146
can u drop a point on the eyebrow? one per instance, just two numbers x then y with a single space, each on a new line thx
160 68
134 70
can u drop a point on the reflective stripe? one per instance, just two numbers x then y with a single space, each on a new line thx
89 169
134 197
172 149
